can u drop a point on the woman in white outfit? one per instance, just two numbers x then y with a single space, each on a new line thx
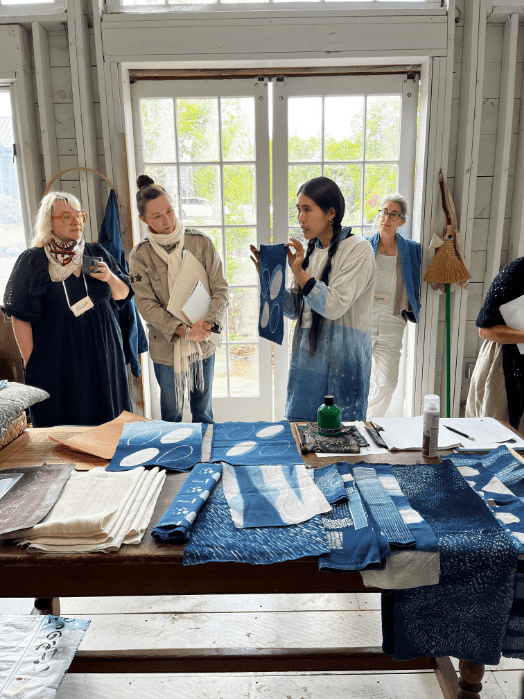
396 299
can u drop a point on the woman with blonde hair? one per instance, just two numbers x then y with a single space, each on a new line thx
63 319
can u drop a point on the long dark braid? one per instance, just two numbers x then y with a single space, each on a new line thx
326 194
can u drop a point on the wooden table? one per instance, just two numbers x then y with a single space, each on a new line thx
150 569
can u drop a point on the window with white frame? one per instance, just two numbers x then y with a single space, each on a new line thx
378 5
12 235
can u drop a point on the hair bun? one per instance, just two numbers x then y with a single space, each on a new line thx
144 181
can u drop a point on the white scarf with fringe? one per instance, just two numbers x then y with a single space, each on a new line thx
187 356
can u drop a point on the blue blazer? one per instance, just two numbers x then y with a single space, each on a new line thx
411 256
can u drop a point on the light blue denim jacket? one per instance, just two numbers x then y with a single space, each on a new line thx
411 256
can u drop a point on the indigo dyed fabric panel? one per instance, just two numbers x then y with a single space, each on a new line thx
271 496
384 510
178 519
214 537
254 443
465 615
272 263
352 541
175 446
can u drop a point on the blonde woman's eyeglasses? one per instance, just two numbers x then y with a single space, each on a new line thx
69 217
393 215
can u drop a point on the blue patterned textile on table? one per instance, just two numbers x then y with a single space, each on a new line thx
254 443
422 533
272 291
381 505
508 471
175 446
271 496
214 537
352 540
465 615
179 517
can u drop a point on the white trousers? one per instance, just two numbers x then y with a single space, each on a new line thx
387 332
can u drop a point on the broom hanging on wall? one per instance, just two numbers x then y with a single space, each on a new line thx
446 268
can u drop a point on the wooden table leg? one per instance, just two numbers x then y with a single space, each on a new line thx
470 676
46 605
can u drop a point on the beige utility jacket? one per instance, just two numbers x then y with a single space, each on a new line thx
149 281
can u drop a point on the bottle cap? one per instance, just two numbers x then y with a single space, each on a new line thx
431 402
329 400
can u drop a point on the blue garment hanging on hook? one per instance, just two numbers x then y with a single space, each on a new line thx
133 335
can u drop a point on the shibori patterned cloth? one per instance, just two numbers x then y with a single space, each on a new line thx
506 472
466 614
178 519
175 446
271 496
353 543
406 567
272 291
254 443
214 537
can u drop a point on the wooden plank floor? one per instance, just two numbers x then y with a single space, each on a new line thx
248 621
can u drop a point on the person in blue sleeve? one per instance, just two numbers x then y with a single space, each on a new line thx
63 319
395 301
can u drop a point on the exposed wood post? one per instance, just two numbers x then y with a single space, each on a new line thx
45 100
502 152
466 170
83 105
516 231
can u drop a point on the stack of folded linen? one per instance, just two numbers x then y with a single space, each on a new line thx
98 511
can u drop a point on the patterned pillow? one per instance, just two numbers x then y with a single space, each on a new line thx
15 397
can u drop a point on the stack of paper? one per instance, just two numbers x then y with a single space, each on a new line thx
191 295
487 434
405 434
513 314
98 511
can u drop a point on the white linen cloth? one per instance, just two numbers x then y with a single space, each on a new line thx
98 511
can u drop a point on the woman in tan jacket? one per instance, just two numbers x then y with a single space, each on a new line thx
182 354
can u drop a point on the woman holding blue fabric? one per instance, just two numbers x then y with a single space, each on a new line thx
330 298
396 299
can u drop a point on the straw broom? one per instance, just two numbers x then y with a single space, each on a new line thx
447 268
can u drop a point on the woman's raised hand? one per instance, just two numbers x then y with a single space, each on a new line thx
255 257
295 259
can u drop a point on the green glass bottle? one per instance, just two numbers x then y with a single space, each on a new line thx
328 418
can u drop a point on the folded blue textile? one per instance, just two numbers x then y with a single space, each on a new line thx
352 540
465 615
272 263
179 517
271 496
381 505
425 539
499 461
214 537
254 443
175 446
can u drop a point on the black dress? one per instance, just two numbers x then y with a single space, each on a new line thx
507 286
79 361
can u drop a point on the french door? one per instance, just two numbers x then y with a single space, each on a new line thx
208 142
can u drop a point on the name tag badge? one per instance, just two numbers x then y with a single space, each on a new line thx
381 298
82 306
307 319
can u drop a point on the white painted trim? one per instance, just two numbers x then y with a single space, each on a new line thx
516 233
45 101
466 172
83 106
116 12
502 152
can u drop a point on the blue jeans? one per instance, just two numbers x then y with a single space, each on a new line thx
201 403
